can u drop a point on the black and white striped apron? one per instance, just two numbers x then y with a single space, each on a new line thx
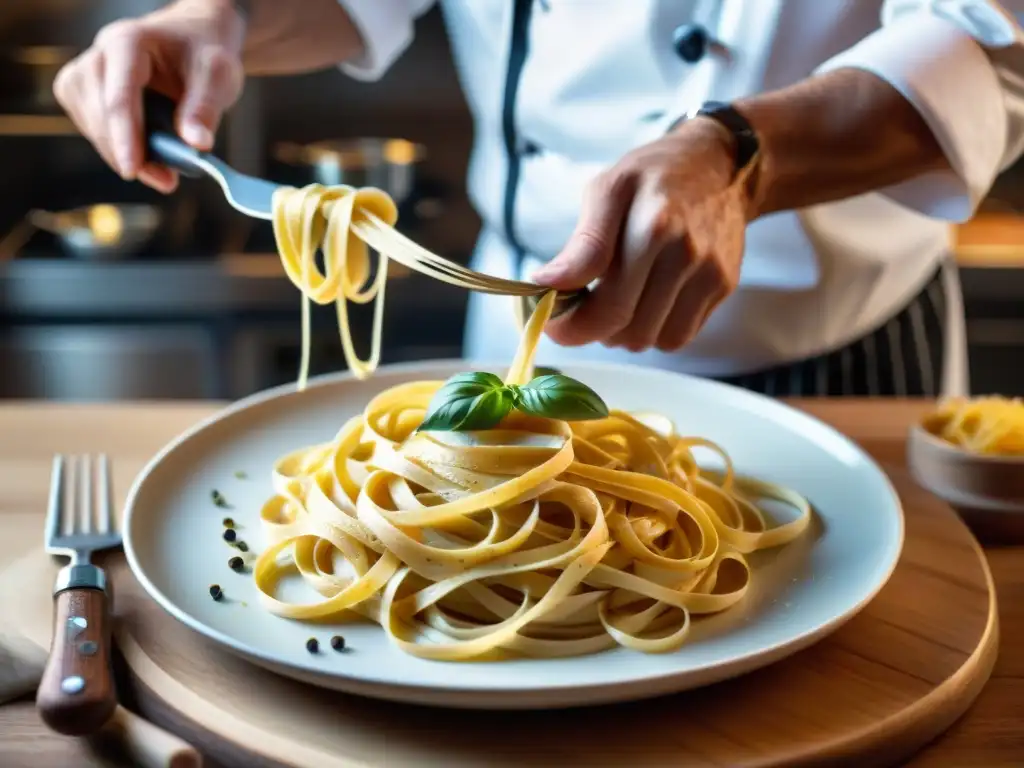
903 358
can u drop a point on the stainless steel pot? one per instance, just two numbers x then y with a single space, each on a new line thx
388 164
103 232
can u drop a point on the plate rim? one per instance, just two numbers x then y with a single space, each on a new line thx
454 694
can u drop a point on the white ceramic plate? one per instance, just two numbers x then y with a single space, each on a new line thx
799 594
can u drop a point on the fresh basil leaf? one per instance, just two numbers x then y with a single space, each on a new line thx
481 378
468 401
559 397
543 370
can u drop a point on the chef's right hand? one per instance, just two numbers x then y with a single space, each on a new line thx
190 51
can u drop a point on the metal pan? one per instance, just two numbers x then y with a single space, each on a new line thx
102 232
388 164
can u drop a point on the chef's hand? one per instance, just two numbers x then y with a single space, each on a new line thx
663 231
189 51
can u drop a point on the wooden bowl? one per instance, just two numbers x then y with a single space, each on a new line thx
987 491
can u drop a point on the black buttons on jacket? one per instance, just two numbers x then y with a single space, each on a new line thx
529 148
691 42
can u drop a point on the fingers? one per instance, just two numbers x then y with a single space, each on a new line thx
127 69
652 223
159 177
698 297
592 246
72 87
667 277
666 240
102 89
101 92
213 83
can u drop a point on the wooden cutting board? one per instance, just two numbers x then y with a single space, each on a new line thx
872 693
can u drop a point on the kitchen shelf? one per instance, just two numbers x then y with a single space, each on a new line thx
990 240
37 125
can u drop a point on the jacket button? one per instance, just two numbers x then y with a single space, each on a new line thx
690 42
529 148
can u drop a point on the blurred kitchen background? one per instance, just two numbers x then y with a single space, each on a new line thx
110 291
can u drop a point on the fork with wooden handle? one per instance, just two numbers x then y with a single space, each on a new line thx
137 740
76 695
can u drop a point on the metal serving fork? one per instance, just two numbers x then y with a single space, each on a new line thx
76 695
254 197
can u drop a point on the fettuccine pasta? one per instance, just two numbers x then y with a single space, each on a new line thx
988 425
539 537
318 218
341 222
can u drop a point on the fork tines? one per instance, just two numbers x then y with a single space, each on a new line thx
81 504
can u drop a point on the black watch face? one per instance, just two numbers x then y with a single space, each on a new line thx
711 107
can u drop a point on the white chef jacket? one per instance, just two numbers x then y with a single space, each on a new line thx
561 89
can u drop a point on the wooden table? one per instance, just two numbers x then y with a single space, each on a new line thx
991 734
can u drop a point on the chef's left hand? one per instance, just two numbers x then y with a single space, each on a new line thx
663 231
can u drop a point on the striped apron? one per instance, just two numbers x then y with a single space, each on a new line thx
903 358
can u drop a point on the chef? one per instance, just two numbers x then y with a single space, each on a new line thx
758 191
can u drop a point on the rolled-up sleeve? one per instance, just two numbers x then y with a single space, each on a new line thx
961 64
386 27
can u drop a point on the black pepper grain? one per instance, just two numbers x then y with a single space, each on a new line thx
236 563
218 499
230 535
227 522
338 643
312 645
242 546
216 592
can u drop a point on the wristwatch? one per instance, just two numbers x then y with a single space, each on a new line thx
726 115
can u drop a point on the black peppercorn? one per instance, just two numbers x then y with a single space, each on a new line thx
218 499
312 645
236 563
230 535
338 643
228 522
216 592
242 546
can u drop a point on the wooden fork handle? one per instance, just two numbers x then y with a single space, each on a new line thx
76 695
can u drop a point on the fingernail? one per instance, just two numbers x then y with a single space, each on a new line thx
197 135
543 273
123 159
156 182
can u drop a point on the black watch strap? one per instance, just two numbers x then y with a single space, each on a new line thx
747 143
